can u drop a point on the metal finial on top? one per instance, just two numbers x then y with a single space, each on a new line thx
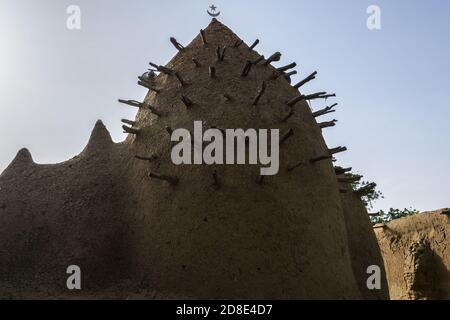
213 13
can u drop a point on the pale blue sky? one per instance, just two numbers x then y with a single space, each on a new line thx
392 84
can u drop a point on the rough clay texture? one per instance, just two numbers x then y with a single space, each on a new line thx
416 252
363 245
137 237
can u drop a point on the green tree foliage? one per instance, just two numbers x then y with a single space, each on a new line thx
384 216
393 214
369 199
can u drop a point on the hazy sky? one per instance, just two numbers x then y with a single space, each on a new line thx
392 84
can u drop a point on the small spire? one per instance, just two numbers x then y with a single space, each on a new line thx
23 157
100 133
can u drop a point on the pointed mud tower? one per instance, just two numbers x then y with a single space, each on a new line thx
363 244
140 226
